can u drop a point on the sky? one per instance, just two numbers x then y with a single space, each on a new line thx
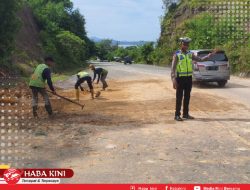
131 20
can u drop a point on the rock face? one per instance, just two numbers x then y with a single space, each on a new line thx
27 42
176 18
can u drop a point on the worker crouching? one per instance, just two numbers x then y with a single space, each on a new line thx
81 78
102 74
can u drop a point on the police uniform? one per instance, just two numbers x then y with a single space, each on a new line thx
181 72
184 81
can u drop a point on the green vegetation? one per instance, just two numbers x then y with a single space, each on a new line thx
104 49
208 31
8 29
140 54
61 28
59 77
62 32
63 35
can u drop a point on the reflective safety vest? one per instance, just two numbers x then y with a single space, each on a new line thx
82 74
184 66
36 79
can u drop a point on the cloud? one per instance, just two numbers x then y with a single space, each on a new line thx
122 19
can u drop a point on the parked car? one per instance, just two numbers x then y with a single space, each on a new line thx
216 69
127 60
118 59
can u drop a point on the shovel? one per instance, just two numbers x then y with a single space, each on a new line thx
67 99
97 94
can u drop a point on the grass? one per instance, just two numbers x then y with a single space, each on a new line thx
59 77
62 76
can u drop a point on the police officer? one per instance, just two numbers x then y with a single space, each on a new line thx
181 75
37 85
83 76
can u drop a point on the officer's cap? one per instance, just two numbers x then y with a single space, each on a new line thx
185 40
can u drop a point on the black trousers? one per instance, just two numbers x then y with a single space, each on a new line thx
82 80
184 86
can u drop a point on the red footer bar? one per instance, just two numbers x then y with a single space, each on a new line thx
130 187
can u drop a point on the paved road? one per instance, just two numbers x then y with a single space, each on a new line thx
134 138
237 89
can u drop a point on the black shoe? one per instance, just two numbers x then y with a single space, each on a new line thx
188 117
178 118
49 109
104 87
35 111
35 115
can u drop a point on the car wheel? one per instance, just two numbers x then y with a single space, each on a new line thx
222 83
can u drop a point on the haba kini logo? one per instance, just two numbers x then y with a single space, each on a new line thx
36 176
12 176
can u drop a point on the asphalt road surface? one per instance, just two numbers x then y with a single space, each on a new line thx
128 134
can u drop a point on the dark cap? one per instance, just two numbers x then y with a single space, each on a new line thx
49 58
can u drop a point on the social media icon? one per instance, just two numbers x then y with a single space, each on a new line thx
132 187
197 188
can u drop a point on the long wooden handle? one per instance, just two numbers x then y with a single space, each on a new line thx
67 99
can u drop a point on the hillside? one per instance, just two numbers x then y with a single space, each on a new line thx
27 42
33 29
210 24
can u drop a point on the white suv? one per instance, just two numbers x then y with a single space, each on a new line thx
216 69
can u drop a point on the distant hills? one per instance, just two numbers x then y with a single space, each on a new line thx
121 43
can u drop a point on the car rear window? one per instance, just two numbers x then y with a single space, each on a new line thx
220 56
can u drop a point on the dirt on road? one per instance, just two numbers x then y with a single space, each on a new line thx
139 102
128 135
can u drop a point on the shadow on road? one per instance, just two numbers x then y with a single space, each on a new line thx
222 119
212 85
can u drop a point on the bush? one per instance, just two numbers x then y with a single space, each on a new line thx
62 32
207 32
71 48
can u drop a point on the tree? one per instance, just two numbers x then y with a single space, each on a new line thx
62 32
75 23
170 4
104 48
146 52
71 49
8 28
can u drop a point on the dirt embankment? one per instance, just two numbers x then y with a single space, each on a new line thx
27 42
